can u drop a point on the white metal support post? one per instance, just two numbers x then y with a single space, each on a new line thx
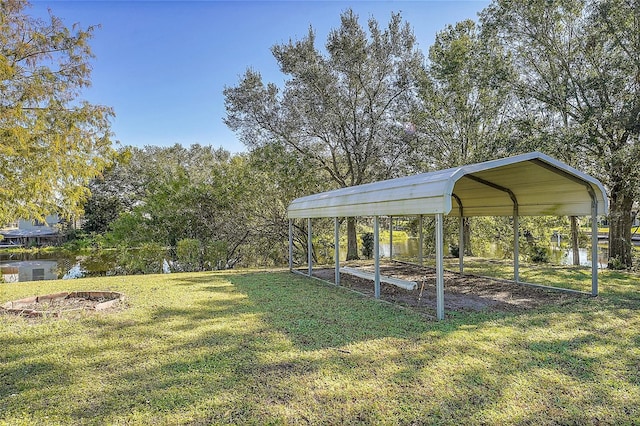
309 247
461 246
439 267
420 240
336 225
376 255
594 247
290 244
516 245
390 237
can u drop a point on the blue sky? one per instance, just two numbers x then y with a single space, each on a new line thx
162 65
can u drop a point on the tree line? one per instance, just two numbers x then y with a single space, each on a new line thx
229 209
559 76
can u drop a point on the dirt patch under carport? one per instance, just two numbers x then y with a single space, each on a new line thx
462 292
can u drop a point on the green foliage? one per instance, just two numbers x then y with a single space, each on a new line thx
464 96
343 111
51 141
538 254
189 254
114 191
145 259
180 202
367 245
578 90
216 255
78 244
616 264
238 207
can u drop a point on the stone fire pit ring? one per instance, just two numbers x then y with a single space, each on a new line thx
56 304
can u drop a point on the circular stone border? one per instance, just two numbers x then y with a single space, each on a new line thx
104 300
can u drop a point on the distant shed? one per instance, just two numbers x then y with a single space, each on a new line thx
532 184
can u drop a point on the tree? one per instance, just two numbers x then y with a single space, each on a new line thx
177 194
463 114
280 176
343 111
51 142
114 191
579 69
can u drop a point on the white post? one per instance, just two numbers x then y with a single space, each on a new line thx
290 244
376 255
461 246
337 249
420 240
516 245
309 247
390 237
594 248
439 267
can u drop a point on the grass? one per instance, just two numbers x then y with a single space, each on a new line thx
605 229
275 348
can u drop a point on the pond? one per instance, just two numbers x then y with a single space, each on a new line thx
19 267
408 250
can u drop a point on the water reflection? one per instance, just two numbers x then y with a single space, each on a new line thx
19 267
29 270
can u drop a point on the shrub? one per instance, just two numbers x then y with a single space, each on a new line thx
539 254
215 255
367 245
189 254
147 259
616 263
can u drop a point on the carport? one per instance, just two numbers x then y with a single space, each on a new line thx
532 184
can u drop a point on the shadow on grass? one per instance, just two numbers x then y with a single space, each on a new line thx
278 348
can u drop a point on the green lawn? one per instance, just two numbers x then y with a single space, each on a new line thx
275 348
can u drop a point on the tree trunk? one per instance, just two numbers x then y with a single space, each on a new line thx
574 240
352 239
620 220
467 236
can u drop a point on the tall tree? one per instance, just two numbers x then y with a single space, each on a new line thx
578 65
463 115
342 110
280 176
51 142
116 190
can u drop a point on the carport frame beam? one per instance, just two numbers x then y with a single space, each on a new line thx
516 226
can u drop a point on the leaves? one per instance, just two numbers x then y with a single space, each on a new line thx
578 80
342 110
51 142
463 113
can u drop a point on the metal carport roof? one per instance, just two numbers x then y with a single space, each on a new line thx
532 184
541 185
